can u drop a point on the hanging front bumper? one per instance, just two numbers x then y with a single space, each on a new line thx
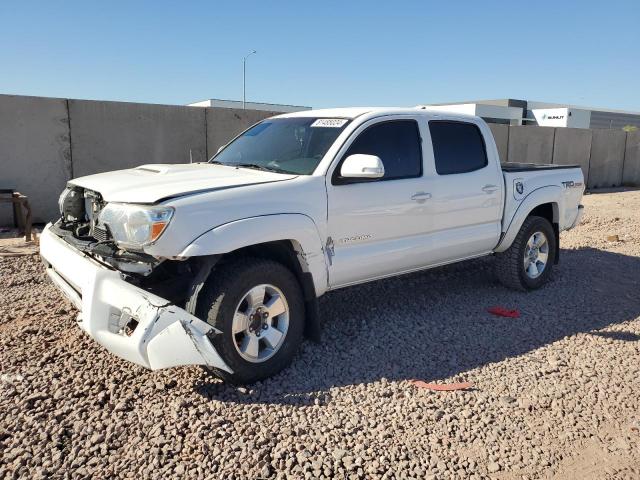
129 322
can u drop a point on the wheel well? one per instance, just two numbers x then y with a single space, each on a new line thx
281 251
546 210
286 252
550 212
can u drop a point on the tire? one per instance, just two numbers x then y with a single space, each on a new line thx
226 293
510 264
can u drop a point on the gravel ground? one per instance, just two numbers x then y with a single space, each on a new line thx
556 391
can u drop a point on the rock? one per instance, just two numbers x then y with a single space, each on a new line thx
96 438
121 407
338 454
265 472
506 400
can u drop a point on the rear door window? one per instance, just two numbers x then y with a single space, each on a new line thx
458 147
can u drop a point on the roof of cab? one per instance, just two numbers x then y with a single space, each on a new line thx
353 112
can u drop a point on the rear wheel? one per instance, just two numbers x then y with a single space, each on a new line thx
258 306
527 264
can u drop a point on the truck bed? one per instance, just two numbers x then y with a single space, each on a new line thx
528 167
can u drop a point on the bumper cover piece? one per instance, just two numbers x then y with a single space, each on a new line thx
128 321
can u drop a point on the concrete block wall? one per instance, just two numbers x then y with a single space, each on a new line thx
631 169
501 137
607 158
115 135
44 142
35 153
530 144
572 146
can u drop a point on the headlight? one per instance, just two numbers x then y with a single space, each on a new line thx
135 225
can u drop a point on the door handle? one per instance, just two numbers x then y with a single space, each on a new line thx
420 196
489 188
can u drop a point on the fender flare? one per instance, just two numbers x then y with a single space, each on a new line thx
295 227
550 194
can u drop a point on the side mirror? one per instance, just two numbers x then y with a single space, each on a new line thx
360 165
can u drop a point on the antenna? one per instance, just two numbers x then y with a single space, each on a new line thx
190 157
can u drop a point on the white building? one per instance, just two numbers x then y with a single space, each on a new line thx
490 113
528 112
269 107
562 117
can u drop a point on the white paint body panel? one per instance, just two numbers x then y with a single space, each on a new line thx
343 234
153 183
466 219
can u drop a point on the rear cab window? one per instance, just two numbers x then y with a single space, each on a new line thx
458 147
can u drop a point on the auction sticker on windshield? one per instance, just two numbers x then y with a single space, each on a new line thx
329 122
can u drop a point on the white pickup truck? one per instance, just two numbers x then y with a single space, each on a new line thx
221 263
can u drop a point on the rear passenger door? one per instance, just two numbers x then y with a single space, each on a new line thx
467 188
379 227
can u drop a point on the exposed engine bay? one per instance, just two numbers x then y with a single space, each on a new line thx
80 209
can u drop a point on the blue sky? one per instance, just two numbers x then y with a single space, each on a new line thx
326 53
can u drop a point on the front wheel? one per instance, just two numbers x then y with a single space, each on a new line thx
527 263
258 306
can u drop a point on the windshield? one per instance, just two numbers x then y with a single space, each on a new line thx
286 145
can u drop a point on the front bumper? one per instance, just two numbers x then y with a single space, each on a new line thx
128 321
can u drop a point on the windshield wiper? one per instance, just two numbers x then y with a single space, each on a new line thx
255 166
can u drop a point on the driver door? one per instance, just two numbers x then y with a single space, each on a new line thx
379 227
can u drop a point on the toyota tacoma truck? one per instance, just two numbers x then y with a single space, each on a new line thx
221 263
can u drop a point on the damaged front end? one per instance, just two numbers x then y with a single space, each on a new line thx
80 225
129 302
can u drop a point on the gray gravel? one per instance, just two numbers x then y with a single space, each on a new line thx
555 391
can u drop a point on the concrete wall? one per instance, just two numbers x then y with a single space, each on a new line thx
35 156
572 146
631 170
46 141
501 137
607 158
114 135
223 124
531 144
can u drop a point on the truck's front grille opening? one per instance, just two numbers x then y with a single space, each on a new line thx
80 212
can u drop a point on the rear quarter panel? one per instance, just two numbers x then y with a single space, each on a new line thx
561 187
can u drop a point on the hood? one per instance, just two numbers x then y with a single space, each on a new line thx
152 183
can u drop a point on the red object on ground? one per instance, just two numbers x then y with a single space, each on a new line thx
438 387
504 312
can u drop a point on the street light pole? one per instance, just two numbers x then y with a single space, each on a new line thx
244 78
